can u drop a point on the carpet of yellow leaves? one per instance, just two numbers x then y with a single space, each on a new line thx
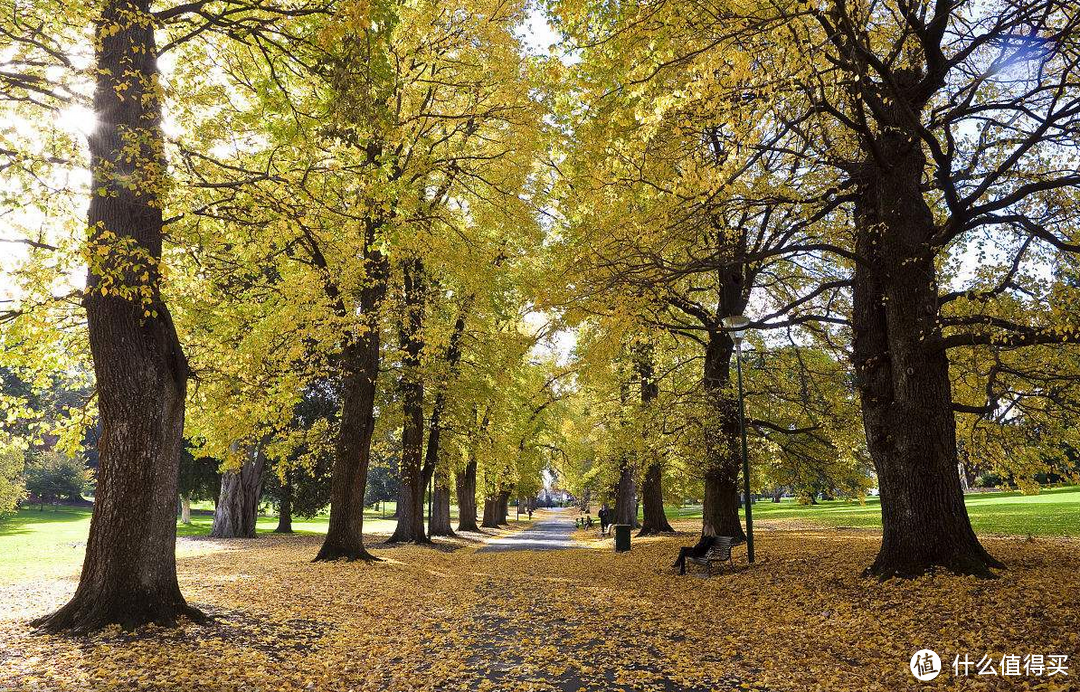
452 619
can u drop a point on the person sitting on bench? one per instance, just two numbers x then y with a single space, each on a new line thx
698 550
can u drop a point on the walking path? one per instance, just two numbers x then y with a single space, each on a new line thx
551 530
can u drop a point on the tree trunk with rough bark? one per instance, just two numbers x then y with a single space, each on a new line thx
466 497
410 525
237 508
359 364
720 512
440 514
491 512
903 372
129 571
504 507
653 520
625 496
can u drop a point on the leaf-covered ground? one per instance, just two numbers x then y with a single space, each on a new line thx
453 619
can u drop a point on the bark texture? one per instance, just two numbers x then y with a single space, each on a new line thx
903 373
491 512
504 507
653 520
410 524
625 511
359 364
720 512
129 571
237 508
440 510
466 497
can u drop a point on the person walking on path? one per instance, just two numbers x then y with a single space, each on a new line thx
605 518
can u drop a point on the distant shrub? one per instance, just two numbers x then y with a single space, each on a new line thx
53 476
989 480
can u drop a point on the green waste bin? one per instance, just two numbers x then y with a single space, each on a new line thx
622 538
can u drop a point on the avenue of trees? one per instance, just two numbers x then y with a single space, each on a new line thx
326 251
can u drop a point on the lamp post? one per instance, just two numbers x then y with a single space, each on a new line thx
736 325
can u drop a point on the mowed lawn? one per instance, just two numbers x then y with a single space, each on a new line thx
34 541
1053 512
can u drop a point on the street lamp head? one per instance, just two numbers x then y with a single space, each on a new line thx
736 326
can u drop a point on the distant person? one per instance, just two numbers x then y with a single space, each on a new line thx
588 521
529 510
698 550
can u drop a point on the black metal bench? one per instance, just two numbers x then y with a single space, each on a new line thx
719 551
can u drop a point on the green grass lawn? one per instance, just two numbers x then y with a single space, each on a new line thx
1053 512
33 542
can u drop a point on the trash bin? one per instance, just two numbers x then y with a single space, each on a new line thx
622 538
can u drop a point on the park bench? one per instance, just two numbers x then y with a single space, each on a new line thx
719 551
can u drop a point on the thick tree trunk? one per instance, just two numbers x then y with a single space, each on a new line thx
466 497
185 509
903 374
720 513
626 496
285 508
237 508
440 515
652 491
352 449
491 512
410 525
654 520
504 507
129 571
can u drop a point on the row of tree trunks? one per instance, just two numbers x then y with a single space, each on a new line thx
129 571
237 508
439 521
359 367
903 373
410 524
720 512
466 494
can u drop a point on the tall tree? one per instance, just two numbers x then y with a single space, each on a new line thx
129 572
